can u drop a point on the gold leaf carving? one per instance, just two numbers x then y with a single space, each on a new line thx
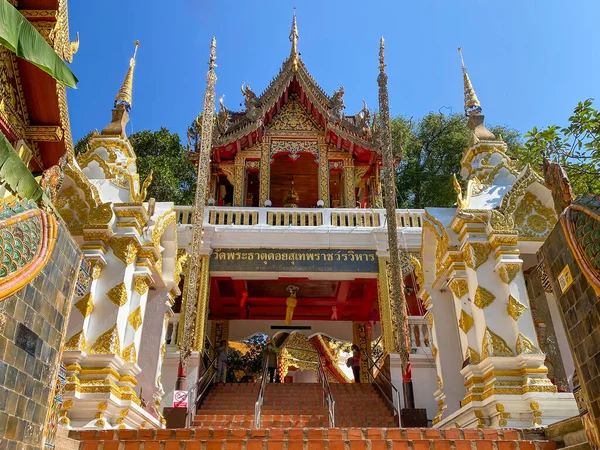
465 322
129 353
101 215
107 343
76 342
118 294
524 345
85 305
141 284
135 318
494 345
473 356
124 248
459 287
509 271
483 297
515 308
476 254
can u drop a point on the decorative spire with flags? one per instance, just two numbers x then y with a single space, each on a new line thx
124 97
294 40
472 105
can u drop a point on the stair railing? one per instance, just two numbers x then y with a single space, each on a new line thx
261 394
378 378
327 394
200 389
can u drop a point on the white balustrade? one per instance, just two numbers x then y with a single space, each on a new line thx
420 335
301 217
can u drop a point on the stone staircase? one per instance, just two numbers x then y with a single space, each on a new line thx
361 406
294 419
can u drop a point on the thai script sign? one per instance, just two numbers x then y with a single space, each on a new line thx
289 260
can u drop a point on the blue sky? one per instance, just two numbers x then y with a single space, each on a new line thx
530 61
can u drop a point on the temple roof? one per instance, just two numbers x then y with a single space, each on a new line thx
244 127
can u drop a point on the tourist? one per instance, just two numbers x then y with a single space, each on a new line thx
222 362
356 363
270 354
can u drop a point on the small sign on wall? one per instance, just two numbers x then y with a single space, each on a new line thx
565 279
180 399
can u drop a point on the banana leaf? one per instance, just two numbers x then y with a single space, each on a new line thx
15 174
21 37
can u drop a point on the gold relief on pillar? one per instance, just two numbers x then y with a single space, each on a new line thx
141 284
483 297
118 294
385 310
515 308
124 248
525 346
475 254
86 305
503 415
472 356
494 345
129 353
360 333
434 351
107 343
135 318
201 311
429 317
537 414
459 287
324 176
264 173
509 271
350 189
465 322
238 185
76 342
95 269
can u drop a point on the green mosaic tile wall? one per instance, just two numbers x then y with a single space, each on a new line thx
580 310
32 323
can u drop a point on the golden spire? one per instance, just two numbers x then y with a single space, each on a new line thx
123 98
472 104
294 40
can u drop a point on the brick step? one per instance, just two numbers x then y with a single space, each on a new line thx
399 434
272 444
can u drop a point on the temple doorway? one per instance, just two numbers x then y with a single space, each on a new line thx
301 174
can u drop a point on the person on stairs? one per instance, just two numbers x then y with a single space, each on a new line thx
356 363
222 362
270 354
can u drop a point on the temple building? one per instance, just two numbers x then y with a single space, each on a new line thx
288 240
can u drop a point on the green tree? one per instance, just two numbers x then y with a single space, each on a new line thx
575 147
173 175
81 146
173 179
432 148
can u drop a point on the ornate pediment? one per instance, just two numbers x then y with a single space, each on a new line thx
294 120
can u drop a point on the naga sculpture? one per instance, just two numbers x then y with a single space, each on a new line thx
337 105
251 102
558 182
223 120
363 121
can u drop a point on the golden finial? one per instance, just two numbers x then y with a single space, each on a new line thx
382 54
124 97
213 53
472 105
294 40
